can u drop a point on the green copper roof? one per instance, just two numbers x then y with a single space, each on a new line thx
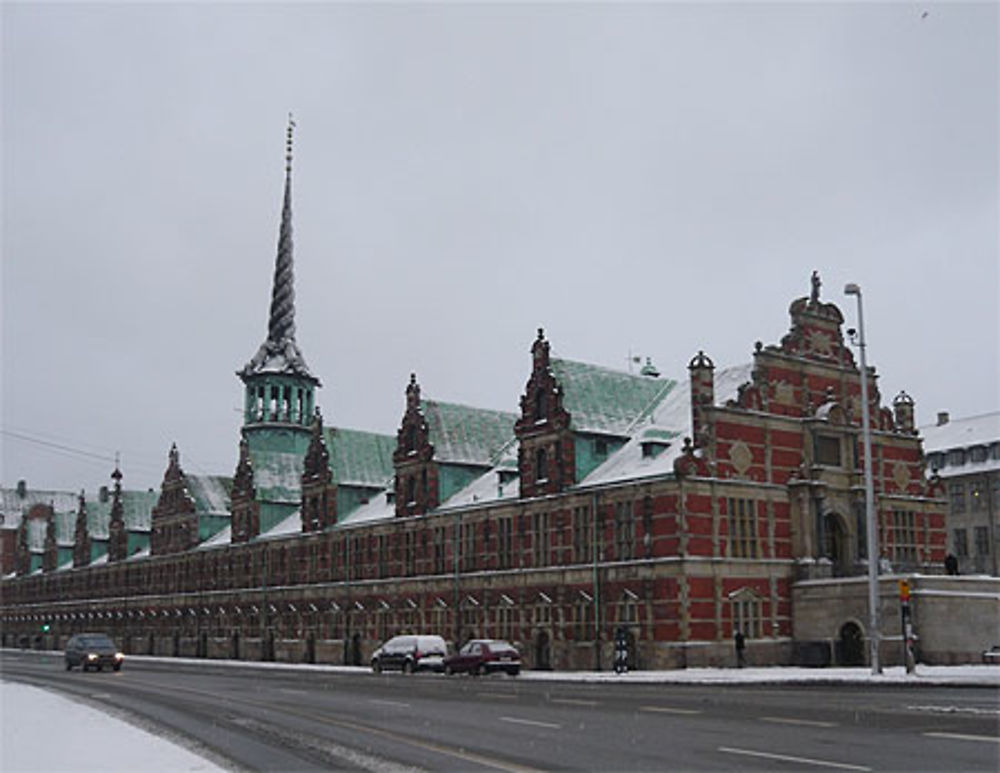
359 458
607 401
464 435
211 493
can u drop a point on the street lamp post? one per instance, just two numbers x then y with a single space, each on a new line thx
874 632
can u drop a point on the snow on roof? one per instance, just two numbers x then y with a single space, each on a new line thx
669 418
606 401
13 505
290 525
486 488
277 475
378 508
211 493
465 435
222 537
962 433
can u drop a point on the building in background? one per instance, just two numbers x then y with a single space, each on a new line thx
965 454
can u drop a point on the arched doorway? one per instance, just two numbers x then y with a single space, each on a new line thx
851 645
234 646
837 543
543 652
310 654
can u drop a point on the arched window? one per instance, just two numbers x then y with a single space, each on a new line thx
410 490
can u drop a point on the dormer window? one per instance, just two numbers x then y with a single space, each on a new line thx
977 453
956 456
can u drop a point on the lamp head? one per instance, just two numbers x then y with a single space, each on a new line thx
852 289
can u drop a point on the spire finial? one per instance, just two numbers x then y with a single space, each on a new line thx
288 144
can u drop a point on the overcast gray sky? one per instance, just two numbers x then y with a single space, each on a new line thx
654 179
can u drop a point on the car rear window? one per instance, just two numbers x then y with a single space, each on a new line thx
96 641
432 645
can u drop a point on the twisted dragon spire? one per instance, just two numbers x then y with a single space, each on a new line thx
279 353
282 320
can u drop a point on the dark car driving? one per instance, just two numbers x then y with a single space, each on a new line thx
93 650
410 653
485 656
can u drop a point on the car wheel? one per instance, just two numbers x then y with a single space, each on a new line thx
117 666
100 667
407 666
84 667
448 671
376 667
69 666
479 670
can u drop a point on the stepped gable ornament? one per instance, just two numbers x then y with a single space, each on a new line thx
81 537
816 328
317 460
243 482
280 353
413 436
543 395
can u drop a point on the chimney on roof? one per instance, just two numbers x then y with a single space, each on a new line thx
22 488
943 418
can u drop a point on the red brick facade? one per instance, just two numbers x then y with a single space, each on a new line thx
766 492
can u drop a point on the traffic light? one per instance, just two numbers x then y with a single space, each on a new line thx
46 627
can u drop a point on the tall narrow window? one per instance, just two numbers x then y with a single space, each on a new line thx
541 465
742 528
542 539
904 533
540 405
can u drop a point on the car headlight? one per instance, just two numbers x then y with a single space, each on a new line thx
119 656
91 656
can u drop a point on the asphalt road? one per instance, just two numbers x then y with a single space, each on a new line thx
278 720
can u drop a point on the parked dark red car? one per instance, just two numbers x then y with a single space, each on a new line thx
484 656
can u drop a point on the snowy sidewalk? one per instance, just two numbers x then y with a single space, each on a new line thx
44 731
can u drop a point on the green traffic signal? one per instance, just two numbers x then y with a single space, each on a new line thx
45 627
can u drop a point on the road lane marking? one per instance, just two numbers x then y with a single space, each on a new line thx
963 737
508 696
438 748
291 691
669 710
574 702
532 722
788 758
400 704
804 722
954 709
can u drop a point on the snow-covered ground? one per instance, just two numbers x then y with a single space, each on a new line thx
30 717
44 731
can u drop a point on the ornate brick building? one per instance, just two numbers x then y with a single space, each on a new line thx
673 511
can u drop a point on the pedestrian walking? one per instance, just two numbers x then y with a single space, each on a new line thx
741 645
